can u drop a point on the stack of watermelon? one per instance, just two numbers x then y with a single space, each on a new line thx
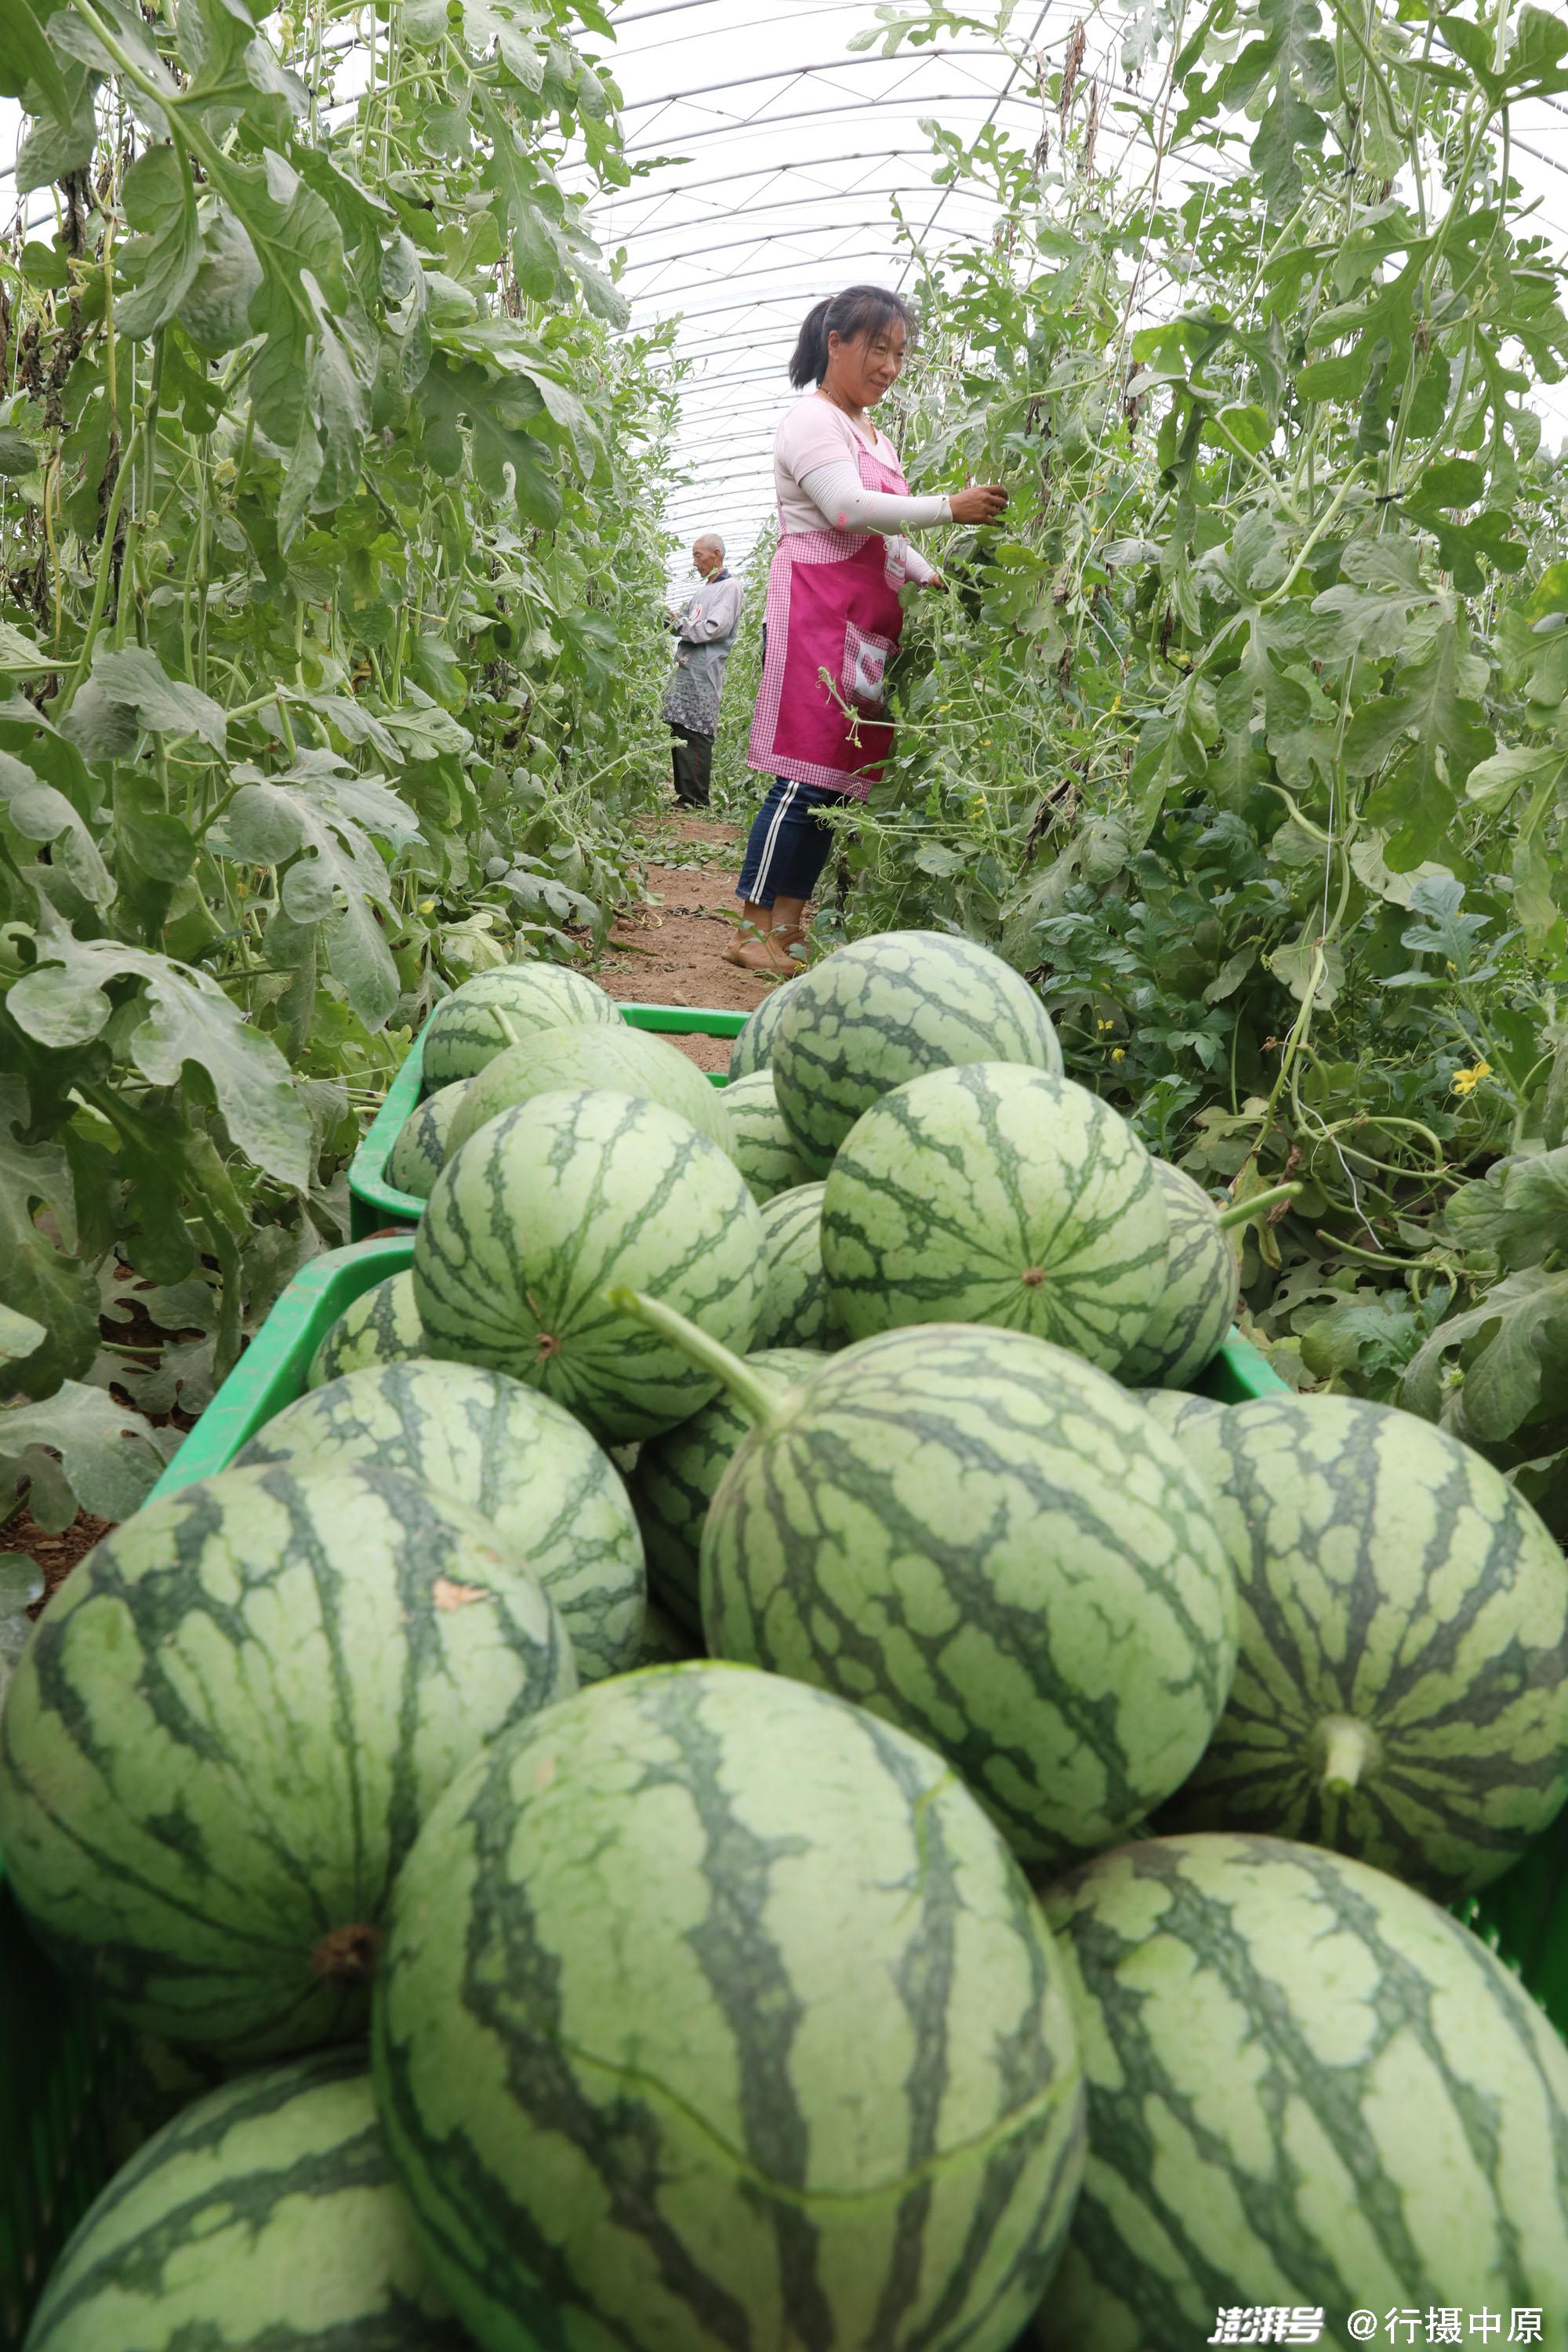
1020 1917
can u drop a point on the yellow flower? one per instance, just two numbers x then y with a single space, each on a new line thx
1105 1025
1118 1053
427 906
1466 1081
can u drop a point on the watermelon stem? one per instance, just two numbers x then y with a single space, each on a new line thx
1344 1749
756 1399
1239 1211
510 1034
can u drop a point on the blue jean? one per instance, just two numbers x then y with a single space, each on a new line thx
788 844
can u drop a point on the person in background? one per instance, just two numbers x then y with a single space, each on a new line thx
705 630
833 614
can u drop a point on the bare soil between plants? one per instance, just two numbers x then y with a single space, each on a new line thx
672 951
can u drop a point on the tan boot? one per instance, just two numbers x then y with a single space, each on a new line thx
771 953
746 944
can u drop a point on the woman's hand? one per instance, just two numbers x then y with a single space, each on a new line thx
978 505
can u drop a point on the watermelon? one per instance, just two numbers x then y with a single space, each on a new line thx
516 1458
1177 1412
227 1727
676 1477
381 1327
499 1008
995 1194
1309 2088
888 1009
981 1538
1202 1289
754 1046
760 1143
266 2219
623 1061
796 1312
420 1145
1402 1694
665 1641
718 2015
546 1207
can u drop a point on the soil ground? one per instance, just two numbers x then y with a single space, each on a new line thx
669 950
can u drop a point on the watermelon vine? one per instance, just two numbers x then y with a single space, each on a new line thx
330 488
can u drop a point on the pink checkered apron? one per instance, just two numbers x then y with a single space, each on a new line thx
833 605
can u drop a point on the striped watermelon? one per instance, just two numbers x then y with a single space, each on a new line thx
516 1457
676 1477
995 1194
227 1727
549 1205
381 1327
419 1148
1202 1289
796 1312
718 2015
760 1143
984 1540
1308 2087
754 1046
1180 1413
499 1008
888 1009
1402 1689
665 1642
266 2219
623 1061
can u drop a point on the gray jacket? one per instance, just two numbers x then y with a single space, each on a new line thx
705 628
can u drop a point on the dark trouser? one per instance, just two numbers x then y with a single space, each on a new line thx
692 755
789 843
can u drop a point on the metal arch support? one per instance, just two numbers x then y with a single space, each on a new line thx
657 192
760 236
816 114
748 276
846 63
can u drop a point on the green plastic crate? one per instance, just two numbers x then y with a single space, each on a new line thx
373 1203
60 2065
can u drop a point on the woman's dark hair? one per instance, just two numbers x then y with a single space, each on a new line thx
859 311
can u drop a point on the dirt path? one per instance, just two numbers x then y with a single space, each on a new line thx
672 953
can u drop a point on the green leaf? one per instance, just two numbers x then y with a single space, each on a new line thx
1493 782
1517 1210
1298 966
1551 593
161 260
46 1282
314 825
27 58
19 1335
130 690
35 811
20 657
215 311
187 1018
1522 1324
1432 722
62 140
112 1458
1455 482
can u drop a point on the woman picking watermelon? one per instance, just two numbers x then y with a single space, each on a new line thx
834 615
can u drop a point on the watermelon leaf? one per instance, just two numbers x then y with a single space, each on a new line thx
110 1458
